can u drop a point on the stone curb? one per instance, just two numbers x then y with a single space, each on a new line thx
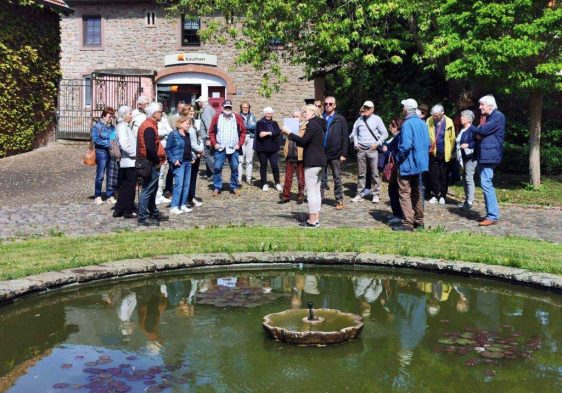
12 289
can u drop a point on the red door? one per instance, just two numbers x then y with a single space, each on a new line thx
217 97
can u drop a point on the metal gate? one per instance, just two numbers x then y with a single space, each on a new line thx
81 101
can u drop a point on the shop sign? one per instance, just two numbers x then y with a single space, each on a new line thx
190 58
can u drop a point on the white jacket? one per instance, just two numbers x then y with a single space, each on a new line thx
128 144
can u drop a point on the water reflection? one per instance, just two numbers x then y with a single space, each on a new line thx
208 325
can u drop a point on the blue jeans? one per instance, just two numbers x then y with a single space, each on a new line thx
147 202
486 177
220 158
102 167
182 178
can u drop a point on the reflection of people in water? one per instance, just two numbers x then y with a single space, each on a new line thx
152 304
462 302
367 291
438 292
408 306
124 303
125 312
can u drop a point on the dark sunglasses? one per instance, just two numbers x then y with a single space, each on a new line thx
329 104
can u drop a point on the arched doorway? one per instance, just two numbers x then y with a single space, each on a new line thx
187 83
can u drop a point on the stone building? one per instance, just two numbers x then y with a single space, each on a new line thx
102 39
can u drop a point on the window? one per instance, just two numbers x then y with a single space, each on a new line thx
189 31
87 91
150 19
92 30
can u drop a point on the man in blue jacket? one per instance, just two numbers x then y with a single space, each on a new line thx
412 159
489 138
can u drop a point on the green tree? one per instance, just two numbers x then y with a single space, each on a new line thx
508 46
324 36
511 46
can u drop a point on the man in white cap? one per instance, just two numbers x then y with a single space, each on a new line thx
207 114
369 133
412 160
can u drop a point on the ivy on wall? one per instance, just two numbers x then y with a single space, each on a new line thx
29 72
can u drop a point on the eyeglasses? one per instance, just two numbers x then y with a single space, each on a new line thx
329 104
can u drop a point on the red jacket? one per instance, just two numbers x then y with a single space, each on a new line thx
239 123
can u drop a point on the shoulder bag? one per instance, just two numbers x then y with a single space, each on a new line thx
389 171
114 149
90 156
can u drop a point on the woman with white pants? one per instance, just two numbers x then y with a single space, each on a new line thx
314 160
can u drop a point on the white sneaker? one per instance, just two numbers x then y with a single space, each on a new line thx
111 200
98 201
162 199
265 187
185 209
394 220
197 203
357 198
441 201
376 199
433 200
279 187
175 211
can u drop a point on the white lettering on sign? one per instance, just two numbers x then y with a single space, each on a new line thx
190 58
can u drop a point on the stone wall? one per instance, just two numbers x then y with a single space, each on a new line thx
129 43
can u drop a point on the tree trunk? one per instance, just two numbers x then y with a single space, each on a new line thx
535 110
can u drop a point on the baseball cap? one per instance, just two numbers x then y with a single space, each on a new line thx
368 104
202 99
410 104
227 104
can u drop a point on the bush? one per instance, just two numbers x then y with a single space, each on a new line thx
29 65
516 159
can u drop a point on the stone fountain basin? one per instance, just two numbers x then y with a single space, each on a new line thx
288 326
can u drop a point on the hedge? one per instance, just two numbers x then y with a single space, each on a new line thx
29 72
516 159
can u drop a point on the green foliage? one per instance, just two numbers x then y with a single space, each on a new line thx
323 37
512 45
29 71
515 159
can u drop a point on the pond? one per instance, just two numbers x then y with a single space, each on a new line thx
200 331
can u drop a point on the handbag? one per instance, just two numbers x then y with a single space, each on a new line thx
114 149
143 167
90 156
389 171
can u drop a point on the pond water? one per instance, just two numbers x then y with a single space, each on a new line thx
201 332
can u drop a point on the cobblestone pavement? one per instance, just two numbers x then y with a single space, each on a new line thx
49 192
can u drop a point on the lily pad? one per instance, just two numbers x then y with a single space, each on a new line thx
61 386
467 335
66 366
446 341
495 349
491 355
91 364
464 341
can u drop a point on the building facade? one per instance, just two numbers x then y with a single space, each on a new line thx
125 37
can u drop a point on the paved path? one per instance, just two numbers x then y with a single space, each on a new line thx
49 191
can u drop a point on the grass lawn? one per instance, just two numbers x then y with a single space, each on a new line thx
516 189
26 257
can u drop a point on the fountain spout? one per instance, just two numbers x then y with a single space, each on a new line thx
310 313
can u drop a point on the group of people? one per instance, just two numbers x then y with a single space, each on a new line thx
416 158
